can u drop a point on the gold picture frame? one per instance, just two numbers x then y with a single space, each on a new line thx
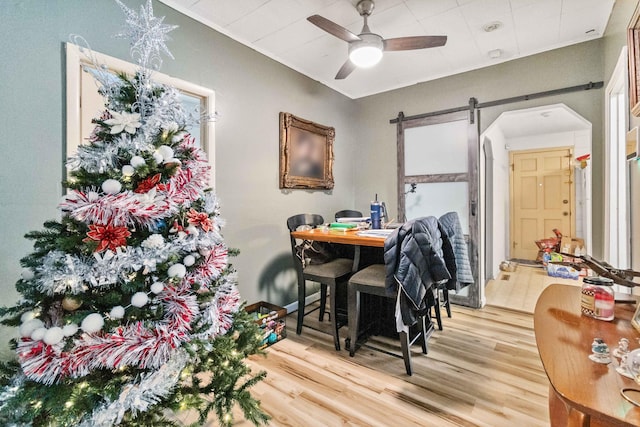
306 154
635 320
633 44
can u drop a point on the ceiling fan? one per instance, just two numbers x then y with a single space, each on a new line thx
366 48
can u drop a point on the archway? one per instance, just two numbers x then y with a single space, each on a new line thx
544 127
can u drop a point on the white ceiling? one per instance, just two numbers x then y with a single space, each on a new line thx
279 29
557 118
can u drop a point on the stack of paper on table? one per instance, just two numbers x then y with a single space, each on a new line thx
375 233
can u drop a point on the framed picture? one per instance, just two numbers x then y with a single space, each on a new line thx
633 44
306 153
635 320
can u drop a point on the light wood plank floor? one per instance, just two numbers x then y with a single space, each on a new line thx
520 290
482 370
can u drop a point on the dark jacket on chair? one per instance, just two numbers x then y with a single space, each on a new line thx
414 264
459 266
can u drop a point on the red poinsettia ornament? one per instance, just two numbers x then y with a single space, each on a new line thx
148 184
108 236
199 219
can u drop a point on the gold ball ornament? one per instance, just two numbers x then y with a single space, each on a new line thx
71 304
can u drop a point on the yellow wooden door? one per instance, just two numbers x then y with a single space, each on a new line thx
542 195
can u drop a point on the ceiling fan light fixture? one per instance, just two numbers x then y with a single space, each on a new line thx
367 52
367 48
365 56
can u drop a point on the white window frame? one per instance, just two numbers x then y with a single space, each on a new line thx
616 179
75 60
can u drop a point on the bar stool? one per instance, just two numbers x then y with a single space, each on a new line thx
330 275
371 280
347 251
441 302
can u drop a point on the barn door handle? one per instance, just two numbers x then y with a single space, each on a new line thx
474 206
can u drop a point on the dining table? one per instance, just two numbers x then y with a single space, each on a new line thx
377 313
351 237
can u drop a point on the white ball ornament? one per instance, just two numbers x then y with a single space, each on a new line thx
38 334
157 287
53 335
27 328
92 323
189 260
139 299
111 186
70 329
177 270
26 274
137 161
128 170
158 157
166 152
117 312
29 315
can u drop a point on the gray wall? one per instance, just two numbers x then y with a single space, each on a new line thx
559 68
250 92
616 35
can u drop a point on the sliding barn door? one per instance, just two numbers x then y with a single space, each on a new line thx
438 173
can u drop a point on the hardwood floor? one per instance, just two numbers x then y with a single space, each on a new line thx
482 370
520 289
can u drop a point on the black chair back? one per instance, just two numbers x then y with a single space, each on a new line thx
348 213
304 219
292 224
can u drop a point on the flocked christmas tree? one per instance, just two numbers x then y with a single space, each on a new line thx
129 305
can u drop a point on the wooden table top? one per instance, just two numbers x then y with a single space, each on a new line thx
564 339
339 236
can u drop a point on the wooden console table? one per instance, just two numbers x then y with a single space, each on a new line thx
581 392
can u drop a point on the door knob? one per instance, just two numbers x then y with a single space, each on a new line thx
565 201
565 213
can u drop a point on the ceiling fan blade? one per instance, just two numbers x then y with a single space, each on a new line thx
417 42
345 70
333 28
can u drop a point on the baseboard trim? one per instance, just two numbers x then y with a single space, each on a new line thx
308 300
